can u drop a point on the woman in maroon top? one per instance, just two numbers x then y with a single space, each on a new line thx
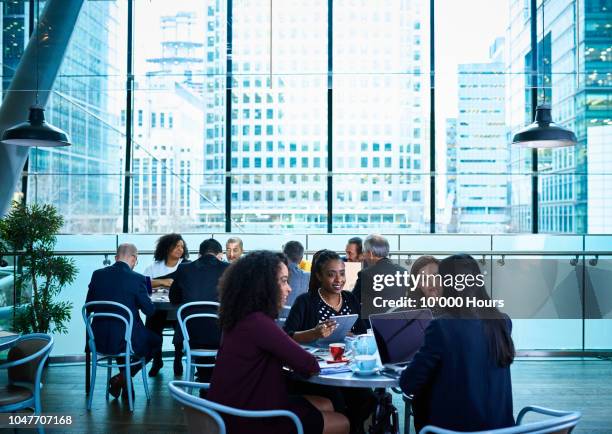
249 369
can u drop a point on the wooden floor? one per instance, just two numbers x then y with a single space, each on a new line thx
584 385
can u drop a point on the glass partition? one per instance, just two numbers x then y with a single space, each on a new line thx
7 291
543 294
598 298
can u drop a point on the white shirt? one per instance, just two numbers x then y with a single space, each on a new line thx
159 268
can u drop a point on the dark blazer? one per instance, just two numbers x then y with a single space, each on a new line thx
363 290
197 281
120 284
304 315
455 380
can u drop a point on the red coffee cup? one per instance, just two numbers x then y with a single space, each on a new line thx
336 351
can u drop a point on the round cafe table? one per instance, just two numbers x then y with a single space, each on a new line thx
379 382
348 379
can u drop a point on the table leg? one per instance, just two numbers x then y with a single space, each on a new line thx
406 416
87 367
407 412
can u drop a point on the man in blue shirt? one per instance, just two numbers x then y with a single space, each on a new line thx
298 279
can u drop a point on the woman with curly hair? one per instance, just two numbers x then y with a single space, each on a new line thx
248 373
170 252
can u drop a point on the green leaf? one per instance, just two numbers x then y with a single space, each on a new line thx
30 231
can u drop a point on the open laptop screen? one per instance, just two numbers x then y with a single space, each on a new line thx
399 335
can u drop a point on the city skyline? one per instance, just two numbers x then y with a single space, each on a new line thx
279 124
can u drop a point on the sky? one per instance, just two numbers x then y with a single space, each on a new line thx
465 29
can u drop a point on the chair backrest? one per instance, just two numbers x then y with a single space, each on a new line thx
203 415
562 422
26 359
184 318
284 313
95 309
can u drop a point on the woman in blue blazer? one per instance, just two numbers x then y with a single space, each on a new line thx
460 378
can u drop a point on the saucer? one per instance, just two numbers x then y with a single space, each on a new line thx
342 360
372 371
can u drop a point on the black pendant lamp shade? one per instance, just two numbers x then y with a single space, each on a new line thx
544 133
35 132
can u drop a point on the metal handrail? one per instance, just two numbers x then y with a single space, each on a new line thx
391 253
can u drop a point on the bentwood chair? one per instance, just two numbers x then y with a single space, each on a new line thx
184 316
204 416
562 422
25 363
116 312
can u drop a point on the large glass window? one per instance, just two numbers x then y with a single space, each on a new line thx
381 116
293 61
279 100
84 180
576 76
179 149
480 185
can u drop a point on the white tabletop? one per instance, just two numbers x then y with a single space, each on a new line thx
349 379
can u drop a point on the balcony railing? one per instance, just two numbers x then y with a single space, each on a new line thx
556 287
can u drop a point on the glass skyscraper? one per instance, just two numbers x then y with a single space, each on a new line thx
482 147
84 180
294 94
574 76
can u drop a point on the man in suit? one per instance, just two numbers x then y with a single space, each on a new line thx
197 281
298 279
375 254
119 283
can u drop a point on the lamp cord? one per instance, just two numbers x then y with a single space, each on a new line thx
36 42
542 54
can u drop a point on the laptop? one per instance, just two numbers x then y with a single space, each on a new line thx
399 335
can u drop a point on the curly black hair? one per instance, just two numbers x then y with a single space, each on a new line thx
250 285
319 259
166 243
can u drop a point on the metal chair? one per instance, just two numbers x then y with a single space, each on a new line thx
407 399
110 360
563 422
282 316
25 363
203 416
191 353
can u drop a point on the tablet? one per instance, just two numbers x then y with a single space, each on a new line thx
343 326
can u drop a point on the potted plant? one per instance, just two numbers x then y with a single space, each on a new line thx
29 231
